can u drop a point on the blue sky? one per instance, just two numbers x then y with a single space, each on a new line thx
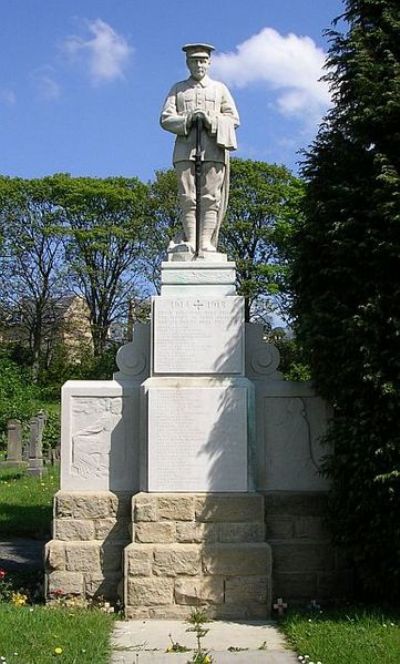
82 82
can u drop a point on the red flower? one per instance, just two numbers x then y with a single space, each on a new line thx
58 593
2 573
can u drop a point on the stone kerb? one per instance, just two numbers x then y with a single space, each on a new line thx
193 550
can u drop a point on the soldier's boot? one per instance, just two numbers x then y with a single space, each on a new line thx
207 228
189 227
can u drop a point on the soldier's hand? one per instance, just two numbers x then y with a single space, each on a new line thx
204 117
189 119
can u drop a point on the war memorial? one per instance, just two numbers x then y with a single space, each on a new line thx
192 477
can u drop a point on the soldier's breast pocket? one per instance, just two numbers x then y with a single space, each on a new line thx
210 101
190 101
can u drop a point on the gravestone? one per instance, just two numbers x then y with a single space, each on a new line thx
14 441
14 445
36 426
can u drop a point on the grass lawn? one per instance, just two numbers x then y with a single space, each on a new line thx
31 635
26 502
348 636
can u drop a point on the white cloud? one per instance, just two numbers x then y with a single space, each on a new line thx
8 97
290 65
46 86
106 53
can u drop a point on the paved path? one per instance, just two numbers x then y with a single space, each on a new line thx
21 554
141 641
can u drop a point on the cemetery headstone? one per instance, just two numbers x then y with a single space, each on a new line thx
36 425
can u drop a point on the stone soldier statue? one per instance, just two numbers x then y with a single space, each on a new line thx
201 97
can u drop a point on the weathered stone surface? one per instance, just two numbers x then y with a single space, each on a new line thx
241 532
112 529
196 532
239 611
85 504
312 527
295 503
215 327
100 436
175 508
69 583
342 560
82 557
100 585
149 591
230 507
155 532
167 611
280 527
335 585
237 559
295 585
173 560
247 590
304 556
182 612
199 591
215 411
54 555
144 507
73 529
138 560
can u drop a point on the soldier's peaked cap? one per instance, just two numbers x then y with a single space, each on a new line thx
198 50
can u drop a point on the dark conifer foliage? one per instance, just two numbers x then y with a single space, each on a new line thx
346 279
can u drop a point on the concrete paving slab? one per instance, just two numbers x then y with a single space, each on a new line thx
141 641
247 657
133 634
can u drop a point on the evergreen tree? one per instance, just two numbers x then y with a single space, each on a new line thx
346 278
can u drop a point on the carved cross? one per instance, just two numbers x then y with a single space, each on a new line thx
280 606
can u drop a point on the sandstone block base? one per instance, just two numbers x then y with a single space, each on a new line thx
90 532
193 550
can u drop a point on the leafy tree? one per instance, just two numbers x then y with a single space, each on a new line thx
32 279
263 203
18 396
347 282
105 235
163 211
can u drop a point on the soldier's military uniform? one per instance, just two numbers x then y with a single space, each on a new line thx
215 100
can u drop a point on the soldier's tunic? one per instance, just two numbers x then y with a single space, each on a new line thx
214 99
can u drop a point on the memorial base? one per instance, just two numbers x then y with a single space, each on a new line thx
90 532
197 550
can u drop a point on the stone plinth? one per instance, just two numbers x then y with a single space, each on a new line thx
198 434
90 531
200 277
192 550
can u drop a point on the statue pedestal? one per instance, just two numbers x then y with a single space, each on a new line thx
159 465
198 529
199 277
